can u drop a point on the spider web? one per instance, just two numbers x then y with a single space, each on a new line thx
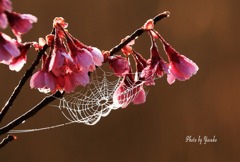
88 104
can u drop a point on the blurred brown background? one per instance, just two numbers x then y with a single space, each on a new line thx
206 105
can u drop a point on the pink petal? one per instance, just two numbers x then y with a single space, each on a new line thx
70 83
20 23
3 21
17 63
56 61
5 5
97 56
5 56
119 65
50 81
119 97
10 45
170 78
84 58
82 78
37 80
140 97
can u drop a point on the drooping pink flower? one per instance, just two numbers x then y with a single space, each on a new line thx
119 65
84 55
69 61
20 23
180 67
156 65
8 48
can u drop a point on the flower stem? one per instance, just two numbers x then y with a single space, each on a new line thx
137 33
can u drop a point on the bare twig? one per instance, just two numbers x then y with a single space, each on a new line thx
137 33
6 140
30 113
23 80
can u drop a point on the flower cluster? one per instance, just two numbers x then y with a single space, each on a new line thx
13 52
68 63
177 67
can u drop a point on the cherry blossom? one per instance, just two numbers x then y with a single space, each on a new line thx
180 67
20 23
69 60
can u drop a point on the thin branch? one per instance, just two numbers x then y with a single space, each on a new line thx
23 80
137 33
6 140
30 113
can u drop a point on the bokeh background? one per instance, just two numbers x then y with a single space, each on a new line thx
206 105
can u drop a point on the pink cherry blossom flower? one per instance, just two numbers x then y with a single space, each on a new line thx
119 65
85 56
8 48
180 67
20 23
156 65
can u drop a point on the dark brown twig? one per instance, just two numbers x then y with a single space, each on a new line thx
6 140
137 33
23 80
30 113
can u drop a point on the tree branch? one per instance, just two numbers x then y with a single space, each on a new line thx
6 140
23 80
137 33
30 113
